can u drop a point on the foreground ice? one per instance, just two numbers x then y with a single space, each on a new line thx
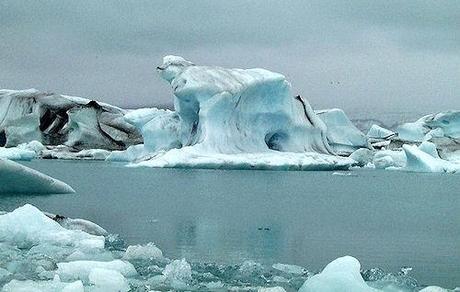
39 254
16 178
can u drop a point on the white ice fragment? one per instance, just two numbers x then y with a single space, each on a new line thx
108 280
143 252
342 135
341 275
419 161
80 270
429 148
362 156
290 269
178 270
24 151
434 289
272 289
54 285
377 132
27 226
389 158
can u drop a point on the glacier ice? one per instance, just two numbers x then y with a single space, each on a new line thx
341 134
17 178
24 151
233 119
240 111
52 119
377 133
442 129
420 161
422 158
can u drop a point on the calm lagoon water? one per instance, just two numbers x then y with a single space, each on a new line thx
385 219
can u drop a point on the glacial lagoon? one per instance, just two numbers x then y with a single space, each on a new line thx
386 219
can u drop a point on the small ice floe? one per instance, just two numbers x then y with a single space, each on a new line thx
342 173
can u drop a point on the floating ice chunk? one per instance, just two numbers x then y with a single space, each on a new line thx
362 156
389 158
342 135
178 270
240 110
429 148
16 178
160 128
54 285
24 151
272 289
143 252
53 119
107 280
377 132
434 289
342 274
338 173
290 269
80 270
420 161
27 226
413 132
192 157
81 224
64 152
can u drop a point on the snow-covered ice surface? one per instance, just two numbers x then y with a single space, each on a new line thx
16 178
39 254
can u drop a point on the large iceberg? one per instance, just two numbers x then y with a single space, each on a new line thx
230 118
52 119
16 178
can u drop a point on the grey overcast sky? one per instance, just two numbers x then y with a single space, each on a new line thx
381 56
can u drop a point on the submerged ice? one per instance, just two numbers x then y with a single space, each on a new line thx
38 252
